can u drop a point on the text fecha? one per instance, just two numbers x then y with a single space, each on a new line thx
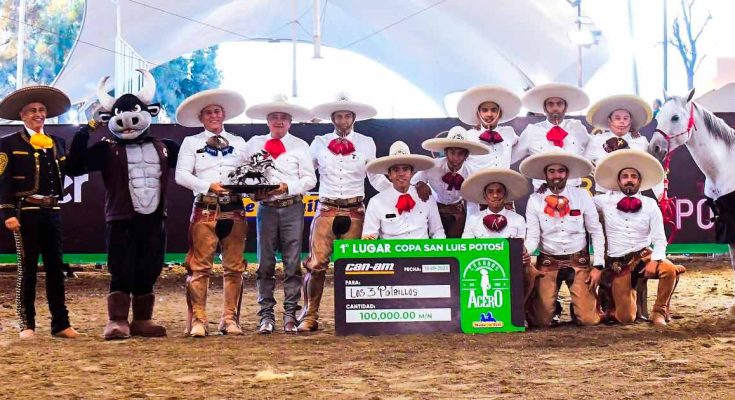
372 248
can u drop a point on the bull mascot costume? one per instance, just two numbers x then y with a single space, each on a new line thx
135 168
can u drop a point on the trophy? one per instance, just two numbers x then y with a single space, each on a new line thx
251 176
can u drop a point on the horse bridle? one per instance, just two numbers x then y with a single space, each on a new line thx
690 125
667 204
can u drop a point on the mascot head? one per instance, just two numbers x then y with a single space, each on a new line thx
129 116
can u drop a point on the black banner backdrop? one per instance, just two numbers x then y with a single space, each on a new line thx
83 216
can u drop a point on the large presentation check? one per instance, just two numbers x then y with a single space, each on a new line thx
428 285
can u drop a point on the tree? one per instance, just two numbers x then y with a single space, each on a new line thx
688 46
184 76
51 27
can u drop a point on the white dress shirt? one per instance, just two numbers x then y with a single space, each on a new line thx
433 177
500 153
629 232
533 141
475 228
595 150
564 235
340 176
294 167
197 170
383 220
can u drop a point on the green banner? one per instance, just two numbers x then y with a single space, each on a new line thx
398 284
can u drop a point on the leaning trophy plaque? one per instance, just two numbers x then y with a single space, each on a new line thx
252 176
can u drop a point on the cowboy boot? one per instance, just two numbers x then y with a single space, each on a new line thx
196 299
641 289
142 324
314 290
304 296
667 279
118 305
230 322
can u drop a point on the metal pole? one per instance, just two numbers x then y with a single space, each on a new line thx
119 60
633 56
317 29
21 44
579 47
666 49
294 92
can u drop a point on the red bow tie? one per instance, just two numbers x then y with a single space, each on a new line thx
453 181
405 203
491 137
558 204
495 222
630 204
556 135
340 146
275 147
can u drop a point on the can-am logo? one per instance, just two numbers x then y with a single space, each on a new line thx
369 269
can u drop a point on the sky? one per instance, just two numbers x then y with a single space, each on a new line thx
320 79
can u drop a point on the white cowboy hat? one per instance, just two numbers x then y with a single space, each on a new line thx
575 97
640 112
55 101
535 165
606 174
343 103
457 137
399 154
516 185
471 99
188 112
279 104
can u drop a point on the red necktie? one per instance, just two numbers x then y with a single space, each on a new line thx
340 146
558 204
405 203
491 137
453 181
556 135
275 147
495 222
630 204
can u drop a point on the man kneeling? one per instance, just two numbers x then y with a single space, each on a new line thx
632 223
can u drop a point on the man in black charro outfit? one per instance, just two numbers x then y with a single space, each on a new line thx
31 182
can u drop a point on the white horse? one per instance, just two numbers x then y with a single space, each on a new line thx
711 143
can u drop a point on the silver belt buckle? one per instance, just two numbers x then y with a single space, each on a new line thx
225 199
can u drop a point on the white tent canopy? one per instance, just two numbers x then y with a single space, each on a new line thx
439 46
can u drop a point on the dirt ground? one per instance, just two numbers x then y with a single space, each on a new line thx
692 358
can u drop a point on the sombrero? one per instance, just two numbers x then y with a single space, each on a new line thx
55 100
516 185
535 165
575 97
188 112
399 154
606 174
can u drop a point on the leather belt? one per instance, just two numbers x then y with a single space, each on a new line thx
281 203
619 264
43 201
348 202
210 200
548 262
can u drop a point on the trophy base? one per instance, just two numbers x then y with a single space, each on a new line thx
249 188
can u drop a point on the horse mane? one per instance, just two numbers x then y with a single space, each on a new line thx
716 126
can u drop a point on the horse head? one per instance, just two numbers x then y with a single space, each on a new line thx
672 125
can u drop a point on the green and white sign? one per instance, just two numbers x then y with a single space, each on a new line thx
428 285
